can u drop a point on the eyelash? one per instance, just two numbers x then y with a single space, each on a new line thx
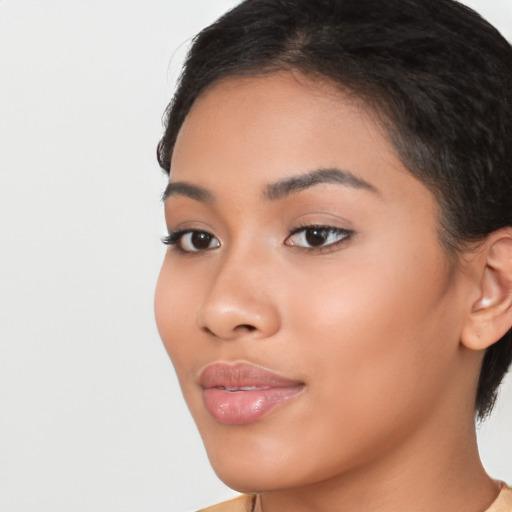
175 237
345 235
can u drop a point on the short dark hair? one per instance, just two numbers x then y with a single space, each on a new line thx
437 74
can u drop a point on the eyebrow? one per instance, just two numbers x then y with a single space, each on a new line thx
279 189
180 188
295 184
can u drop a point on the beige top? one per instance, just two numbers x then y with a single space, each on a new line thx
245 503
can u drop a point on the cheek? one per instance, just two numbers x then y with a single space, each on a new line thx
371 346
374 333
174 315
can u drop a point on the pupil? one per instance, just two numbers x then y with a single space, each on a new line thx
316 237
201 240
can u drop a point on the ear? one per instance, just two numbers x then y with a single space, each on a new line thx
491 314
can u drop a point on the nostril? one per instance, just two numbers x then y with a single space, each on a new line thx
246 327
239 328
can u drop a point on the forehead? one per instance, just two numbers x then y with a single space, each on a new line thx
257 130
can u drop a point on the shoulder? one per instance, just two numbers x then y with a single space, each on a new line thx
241 504
504 501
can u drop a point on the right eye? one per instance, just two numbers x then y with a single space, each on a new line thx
191 240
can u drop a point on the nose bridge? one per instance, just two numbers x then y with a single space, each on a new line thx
239 299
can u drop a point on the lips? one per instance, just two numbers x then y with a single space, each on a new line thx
241 393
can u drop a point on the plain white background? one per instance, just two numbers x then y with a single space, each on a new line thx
91 418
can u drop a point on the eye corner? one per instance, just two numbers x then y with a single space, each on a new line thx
169 238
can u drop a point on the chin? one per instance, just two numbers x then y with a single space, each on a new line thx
256 463
255 477
250 463
247 483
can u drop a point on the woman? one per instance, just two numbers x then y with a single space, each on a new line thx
337 294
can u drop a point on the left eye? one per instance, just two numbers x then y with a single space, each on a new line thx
313 237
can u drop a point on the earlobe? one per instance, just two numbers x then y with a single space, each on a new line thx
491 314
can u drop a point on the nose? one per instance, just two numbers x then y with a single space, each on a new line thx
239 302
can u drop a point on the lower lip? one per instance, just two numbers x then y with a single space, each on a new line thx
244 407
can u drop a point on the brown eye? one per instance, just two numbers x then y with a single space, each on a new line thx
195 241
192 240
317 237
201 240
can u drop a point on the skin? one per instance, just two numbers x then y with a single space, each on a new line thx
371 324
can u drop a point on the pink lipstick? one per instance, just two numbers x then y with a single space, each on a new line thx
241 393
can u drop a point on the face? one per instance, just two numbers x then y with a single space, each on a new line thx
310 312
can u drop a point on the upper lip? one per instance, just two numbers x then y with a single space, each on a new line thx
242 375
